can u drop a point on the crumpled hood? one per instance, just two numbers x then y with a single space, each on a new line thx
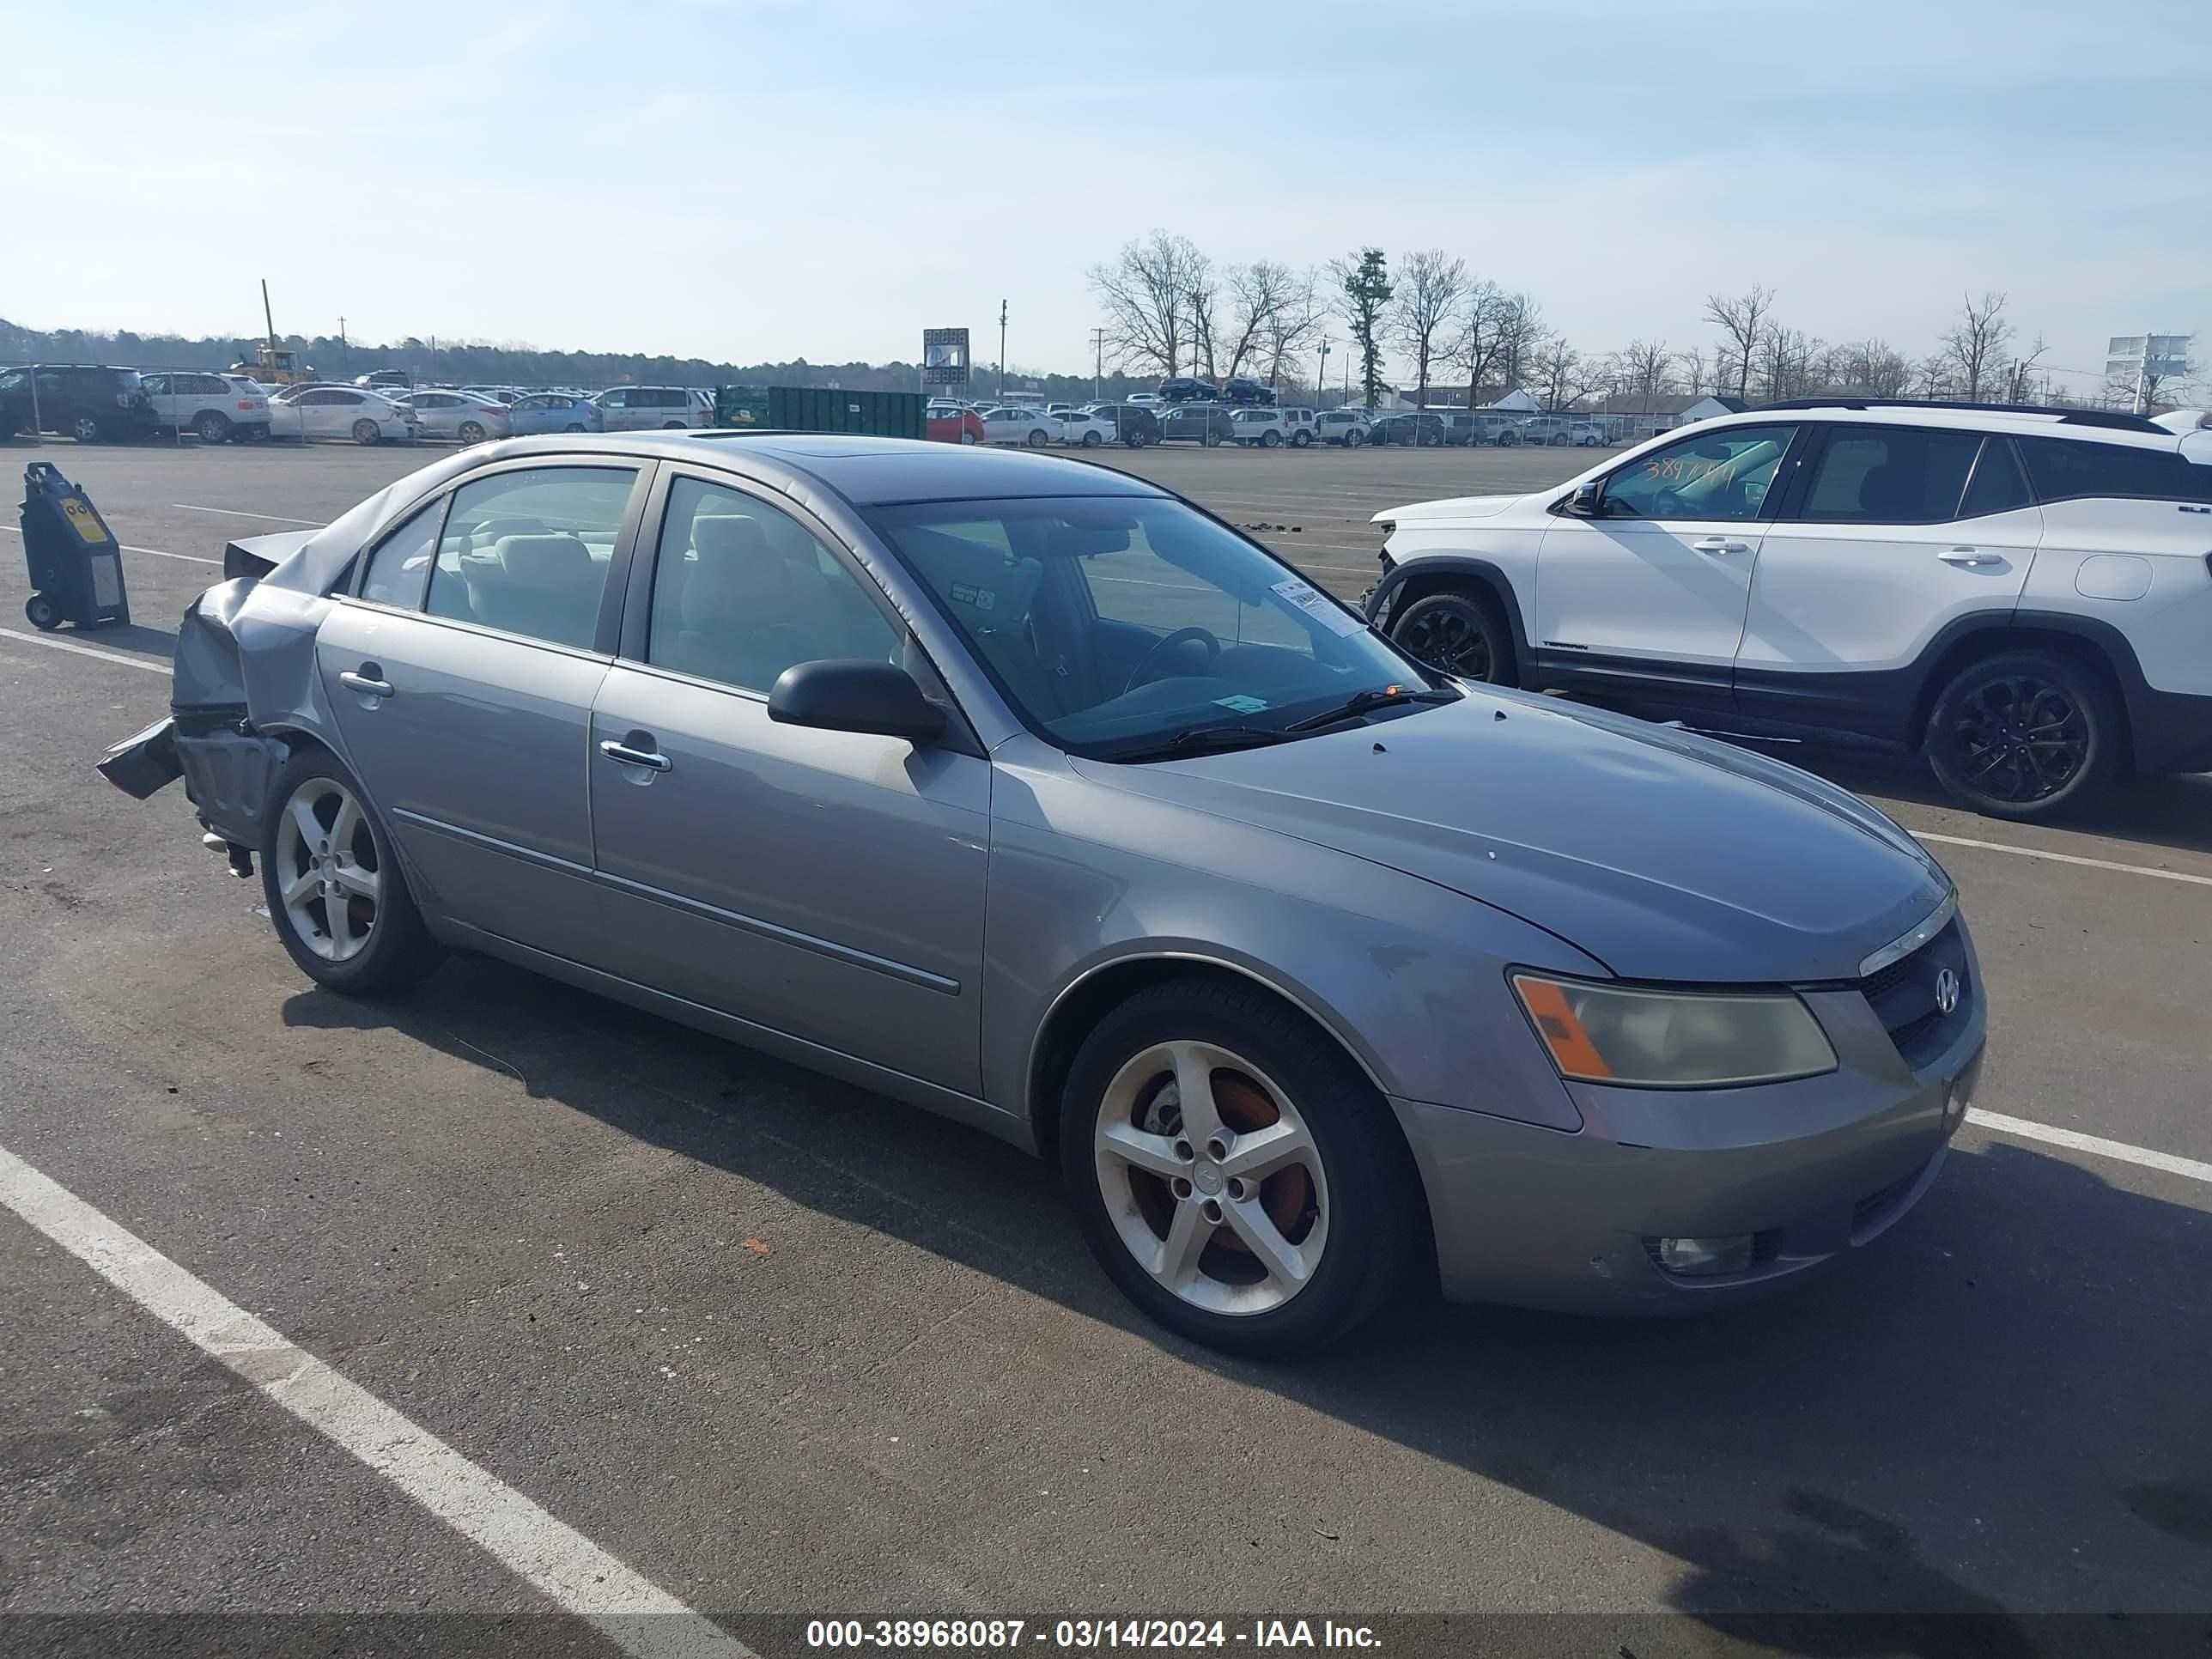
1665 856
1454 506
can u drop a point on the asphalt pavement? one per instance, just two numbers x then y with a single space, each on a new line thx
788 1350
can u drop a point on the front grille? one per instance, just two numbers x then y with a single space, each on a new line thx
1904 997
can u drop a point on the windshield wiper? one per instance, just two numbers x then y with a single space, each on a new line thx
1203 740
1361 703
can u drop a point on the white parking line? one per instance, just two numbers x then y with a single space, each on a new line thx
2074 1140
233 512
2064 858
159 553
637 1615
86 650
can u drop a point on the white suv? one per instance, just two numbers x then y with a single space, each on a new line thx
2024 596
217 407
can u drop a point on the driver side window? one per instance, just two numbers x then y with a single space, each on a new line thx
1723 474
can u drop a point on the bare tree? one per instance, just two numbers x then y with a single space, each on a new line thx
1257 294
1362 281
1293 325
1789 363
1697 373
1473 349
1204 293
2126 390
1145 293
1974 346
1644 369
1521 338
1430 286
1744 320
1566 380
1873 367
2020 374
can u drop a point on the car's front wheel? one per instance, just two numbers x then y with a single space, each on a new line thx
1092 440
1460 633
85 429
1235 1174
1270 440
1038 438
2025 734
365 431
335 890
1354 438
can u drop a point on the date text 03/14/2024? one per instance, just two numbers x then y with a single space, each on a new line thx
1087 1635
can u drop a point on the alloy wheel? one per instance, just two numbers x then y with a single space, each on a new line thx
2019 739
329 870
1211 1178
1449 637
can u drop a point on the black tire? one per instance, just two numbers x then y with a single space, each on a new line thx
365 431
471 432
42 613
1270 440
1372 1190
1300 439
1459 631
85 429
1211 441
399 951
672 426
1508 441
1038 438
1091 440
2026 735
574 426
1353 438
211 426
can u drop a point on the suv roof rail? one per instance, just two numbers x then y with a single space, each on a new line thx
2105 417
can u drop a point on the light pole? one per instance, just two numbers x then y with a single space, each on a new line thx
1097 361
1321 373
1002 348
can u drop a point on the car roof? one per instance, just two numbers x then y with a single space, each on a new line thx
2019 420
864 471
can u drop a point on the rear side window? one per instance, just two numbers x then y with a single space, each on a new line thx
2064 469
1998 485
399 570
528 551
1891 475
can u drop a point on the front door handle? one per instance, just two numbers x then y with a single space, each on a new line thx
1721 544
365 682
650 758
1968 556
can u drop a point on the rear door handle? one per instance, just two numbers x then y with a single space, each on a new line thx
1968 556
650 758
1721 544
365 682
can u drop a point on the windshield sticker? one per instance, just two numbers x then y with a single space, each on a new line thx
967 593
1242 705
1323 609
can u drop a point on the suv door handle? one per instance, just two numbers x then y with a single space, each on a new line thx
1968 556
653 758
1721 544
365 682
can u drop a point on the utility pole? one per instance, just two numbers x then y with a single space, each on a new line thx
269 320
1002 348
1321 373
345 354
1097 361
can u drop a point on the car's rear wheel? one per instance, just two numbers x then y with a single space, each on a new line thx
335 890
471 432
2027 734
1235 1174
365 431
1460 633
672 426
85 429
1354 438
1508 441
1301 439
1038 438
574 426
211 426
1270 440
1091 440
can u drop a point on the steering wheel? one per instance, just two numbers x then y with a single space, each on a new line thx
1138 675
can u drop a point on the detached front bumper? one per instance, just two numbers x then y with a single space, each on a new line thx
1806 1171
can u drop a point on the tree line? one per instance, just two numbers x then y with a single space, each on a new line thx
1169 309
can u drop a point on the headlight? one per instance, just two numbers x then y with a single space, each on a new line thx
1599 1033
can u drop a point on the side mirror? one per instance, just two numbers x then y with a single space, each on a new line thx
855 696
1584 503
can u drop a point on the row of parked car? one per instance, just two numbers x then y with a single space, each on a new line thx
1136 424
96 403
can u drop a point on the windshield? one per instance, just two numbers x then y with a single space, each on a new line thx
1114 626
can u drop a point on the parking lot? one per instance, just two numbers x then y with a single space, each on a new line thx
785 1350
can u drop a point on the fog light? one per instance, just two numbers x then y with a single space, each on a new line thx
1705 1257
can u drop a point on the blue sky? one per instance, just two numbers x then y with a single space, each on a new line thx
761 178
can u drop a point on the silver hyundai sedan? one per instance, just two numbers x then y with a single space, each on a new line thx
1026 791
